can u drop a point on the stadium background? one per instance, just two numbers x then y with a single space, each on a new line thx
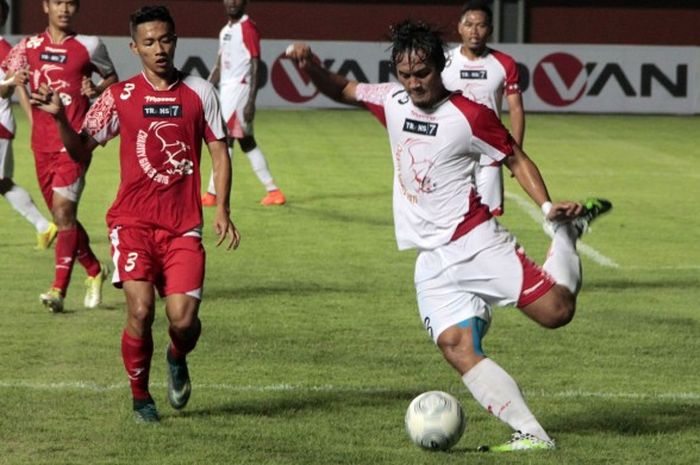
671 22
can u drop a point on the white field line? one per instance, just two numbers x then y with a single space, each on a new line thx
330 388
534 213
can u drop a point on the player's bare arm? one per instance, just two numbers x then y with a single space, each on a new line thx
517 117
330 84
224 227
92 90
78 146
215 74
249 110
530 179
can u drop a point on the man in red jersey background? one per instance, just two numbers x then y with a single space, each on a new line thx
64 61
162 116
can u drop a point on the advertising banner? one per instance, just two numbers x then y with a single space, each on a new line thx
553 78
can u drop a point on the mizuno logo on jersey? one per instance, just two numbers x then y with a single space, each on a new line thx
473 74
162 111
53 57
419 127
227 36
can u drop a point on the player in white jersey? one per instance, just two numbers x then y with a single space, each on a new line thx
236 72
464 255
484 75
16 195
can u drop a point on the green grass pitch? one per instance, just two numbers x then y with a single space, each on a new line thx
312 347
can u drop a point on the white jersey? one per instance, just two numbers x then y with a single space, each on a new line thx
7 121
435 153
483 80
239 43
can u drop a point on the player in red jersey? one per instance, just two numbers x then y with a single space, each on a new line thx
162 116
237 73
65 61
19 198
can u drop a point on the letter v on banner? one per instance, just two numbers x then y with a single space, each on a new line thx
560 79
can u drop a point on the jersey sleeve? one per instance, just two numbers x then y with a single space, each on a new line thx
16 58
512 82
374 96
251 38
214 121
102 120
489 136
101 60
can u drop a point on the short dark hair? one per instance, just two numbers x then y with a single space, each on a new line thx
478 5
147 14
4 11
417 36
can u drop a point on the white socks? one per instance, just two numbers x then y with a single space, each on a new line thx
563 262
259 164
260 168
500 395
22 202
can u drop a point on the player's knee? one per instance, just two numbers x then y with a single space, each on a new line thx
461 347
562 309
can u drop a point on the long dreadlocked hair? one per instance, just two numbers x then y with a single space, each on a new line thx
417 36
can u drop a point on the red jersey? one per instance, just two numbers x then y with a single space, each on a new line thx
161 140
62 67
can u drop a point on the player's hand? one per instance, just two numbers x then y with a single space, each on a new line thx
88 88
300 54
20 78
46 99
225 228
562 212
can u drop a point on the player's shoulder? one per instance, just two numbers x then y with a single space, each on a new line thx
247 21
199 85
453 56
502 57
380 93
33 41
90 42
468 107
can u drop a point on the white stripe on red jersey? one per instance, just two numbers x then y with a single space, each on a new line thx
161 141
435 152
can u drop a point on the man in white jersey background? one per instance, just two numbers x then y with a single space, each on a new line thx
162 117
465 257
484 75
237 73
15 195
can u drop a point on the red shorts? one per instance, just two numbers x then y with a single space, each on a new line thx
174 264
58 172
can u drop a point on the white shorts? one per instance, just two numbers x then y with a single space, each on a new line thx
464 278
234 98
489 184
7 162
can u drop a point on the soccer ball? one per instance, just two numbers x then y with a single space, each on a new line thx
435 420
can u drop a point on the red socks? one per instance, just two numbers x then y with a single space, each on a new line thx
137 354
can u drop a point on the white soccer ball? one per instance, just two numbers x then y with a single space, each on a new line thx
435 420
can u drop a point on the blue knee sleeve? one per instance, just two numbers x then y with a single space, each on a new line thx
478 327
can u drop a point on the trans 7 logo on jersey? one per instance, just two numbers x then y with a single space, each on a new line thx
53 57
473 74
420 127
162 111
